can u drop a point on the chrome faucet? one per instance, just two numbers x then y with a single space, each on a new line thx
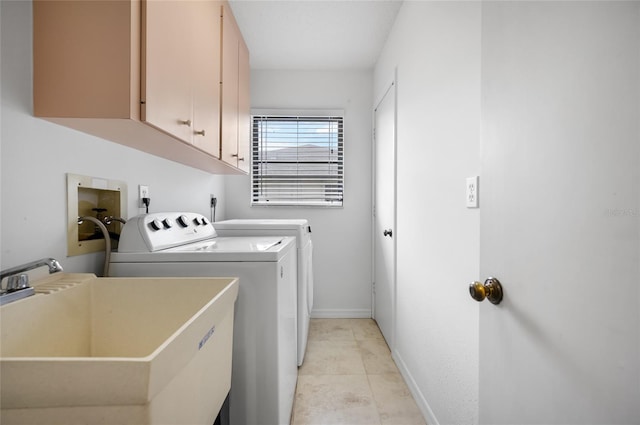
18 281
52 263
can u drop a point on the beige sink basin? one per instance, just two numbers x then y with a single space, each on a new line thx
117 350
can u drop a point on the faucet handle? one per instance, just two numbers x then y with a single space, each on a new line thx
17 282
54 266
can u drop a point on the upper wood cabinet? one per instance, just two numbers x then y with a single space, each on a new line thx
207 67
146 74
235 107
181 82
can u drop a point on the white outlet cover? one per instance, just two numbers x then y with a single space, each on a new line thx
143 192
472 192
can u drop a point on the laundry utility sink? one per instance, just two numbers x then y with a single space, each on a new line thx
117 350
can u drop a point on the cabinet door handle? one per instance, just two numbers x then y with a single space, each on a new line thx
199 133
185 122
235 155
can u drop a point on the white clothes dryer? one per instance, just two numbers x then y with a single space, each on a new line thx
299 228
264 371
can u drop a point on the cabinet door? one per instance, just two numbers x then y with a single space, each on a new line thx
244 108
166 66
84 56
206 69
229 104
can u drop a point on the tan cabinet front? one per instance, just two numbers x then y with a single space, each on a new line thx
181 57
166 79
244 108
235 119
206 68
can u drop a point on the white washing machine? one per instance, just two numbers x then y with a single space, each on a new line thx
264 371
284 227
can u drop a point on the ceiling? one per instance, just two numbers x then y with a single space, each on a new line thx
315 34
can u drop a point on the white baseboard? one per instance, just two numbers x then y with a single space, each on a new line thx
341 314
424 407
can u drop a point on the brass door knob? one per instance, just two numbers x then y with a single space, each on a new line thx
491 290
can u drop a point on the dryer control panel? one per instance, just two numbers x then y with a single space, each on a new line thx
158 231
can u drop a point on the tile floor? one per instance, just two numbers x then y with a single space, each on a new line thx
348 377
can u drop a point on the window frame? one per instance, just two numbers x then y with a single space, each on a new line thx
300 115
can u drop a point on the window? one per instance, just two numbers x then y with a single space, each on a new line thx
297 159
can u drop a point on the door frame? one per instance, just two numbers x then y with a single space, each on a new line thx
393 84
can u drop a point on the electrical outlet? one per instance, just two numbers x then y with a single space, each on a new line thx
143 192
472 192
213 201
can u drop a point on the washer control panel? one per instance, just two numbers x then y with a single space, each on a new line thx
158 231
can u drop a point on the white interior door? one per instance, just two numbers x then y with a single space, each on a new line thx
559 198
384 215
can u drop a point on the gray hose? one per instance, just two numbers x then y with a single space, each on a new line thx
107 242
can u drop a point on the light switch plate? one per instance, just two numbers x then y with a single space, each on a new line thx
472 192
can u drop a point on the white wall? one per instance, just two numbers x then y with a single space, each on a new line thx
341 236
436 49
36 155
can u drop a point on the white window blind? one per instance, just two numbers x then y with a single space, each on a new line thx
297 159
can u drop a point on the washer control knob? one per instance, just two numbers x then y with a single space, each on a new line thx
183 221
168 223
156 224
204 221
